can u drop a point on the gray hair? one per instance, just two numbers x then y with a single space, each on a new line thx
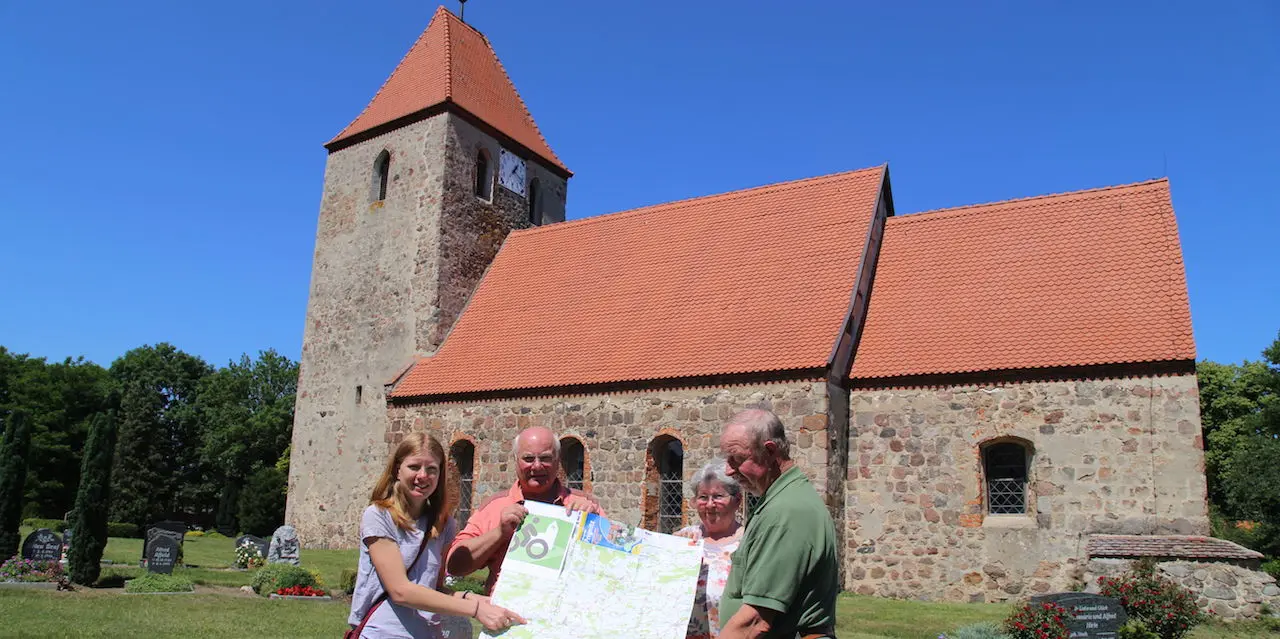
764 426
715 472
555 444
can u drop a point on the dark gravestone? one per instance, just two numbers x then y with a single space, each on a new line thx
42 545
173 530
162 555
1096 617
262 544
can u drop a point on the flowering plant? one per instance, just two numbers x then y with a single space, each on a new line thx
249 555
1038 621
1164 607
301 591
19 569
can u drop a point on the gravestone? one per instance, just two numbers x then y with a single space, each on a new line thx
284 546
162 555
42 545
173 530
262 544
1096 617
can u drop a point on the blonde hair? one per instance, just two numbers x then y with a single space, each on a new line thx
388 493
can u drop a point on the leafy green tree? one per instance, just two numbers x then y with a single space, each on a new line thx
13 477
59 399
261 507
1240 410
246 411
89 521
157 471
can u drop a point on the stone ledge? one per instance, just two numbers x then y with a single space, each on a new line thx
1009 521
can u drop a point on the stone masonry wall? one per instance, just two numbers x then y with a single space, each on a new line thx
616 430
1227 590
474 228
1109 456
373 280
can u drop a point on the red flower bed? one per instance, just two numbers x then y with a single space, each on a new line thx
302 591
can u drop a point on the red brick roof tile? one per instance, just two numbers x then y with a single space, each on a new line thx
748 281
453 62
1186 547
1091 277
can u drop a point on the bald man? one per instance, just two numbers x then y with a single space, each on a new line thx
488 532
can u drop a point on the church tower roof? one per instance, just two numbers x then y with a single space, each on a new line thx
451 65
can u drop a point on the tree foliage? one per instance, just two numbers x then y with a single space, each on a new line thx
1240 414
246 413
157 473
89 521
59 399
261 507
13 477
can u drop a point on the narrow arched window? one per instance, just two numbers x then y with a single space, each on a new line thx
381 173
535 203
1005 466
462 453
573 460
484 177
664 490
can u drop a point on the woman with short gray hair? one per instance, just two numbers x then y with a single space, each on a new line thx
718 499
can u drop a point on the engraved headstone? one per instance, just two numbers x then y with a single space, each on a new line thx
42 545
284 546
173 530
162 555
1096 617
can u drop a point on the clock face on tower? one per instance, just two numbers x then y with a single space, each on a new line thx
511 172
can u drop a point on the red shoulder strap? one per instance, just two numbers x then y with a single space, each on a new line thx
426 537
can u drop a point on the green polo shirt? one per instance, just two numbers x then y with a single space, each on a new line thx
786 560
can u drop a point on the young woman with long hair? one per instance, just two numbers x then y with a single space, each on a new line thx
404 532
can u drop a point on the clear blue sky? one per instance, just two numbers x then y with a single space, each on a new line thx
161 163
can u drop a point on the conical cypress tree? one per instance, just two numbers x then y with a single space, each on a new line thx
13 480
89 519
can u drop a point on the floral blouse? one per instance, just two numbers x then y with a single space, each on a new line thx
704 623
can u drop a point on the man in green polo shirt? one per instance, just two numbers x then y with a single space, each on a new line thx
785 574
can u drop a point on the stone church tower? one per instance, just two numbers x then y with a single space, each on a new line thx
420 191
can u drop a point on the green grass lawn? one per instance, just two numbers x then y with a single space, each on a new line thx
218 610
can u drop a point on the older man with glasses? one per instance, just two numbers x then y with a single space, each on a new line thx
484 540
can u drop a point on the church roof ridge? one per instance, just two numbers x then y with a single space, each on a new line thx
1047 198
697 200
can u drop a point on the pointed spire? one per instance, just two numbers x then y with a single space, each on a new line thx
451 63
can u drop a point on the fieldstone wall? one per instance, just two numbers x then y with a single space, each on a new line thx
1230 591
1108 456
616 430
388 280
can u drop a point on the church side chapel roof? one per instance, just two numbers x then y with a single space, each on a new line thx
452 62
742 282
1084 278
1171 546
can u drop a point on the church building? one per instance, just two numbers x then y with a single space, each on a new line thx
982 393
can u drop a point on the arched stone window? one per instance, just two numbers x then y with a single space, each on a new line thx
664 484
573 461
535 203
381 173
462 455
484 175
1005 465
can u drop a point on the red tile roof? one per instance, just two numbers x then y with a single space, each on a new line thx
453 62
1091 277
748 281
1167 546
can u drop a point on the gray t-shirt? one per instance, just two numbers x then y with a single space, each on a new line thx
389 620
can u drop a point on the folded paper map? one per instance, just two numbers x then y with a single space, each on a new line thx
586 577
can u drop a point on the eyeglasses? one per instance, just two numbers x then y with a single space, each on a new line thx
718 498
544 459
